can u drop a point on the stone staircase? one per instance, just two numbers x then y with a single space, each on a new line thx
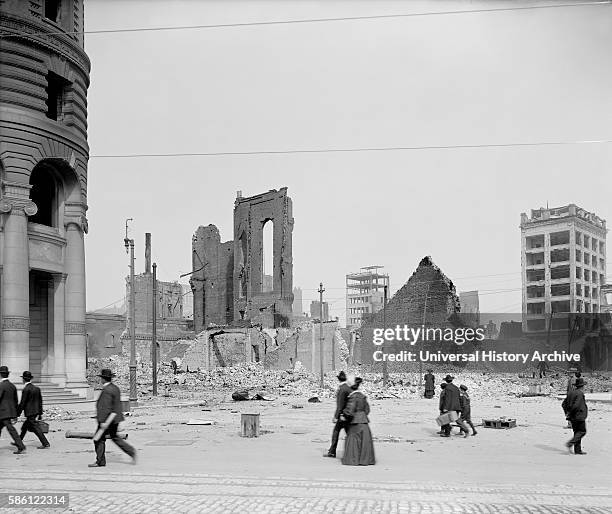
53 394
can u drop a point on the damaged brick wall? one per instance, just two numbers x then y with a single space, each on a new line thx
427 291
228 278
212 280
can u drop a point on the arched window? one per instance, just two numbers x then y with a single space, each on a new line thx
267 255
44 193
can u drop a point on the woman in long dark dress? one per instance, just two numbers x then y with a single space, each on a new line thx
430 388
358 447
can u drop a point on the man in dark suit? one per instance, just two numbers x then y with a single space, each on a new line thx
449 401
576 411
342 394
109 416
31 405
8 408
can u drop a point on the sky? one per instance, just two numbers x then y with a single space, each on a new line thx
522 76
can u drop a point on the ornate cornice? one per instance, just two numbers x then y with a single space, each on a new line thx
40 34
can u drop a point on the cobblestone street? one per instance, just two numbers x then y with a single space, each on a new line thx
105 491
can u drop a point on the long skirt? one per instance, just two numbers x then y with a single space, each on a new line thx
359 447
429 393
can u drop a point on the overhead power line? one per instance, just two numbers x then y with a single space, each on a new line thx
317 20
349 150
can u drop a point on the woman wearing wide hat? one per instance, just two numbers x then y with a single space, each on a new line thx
358 447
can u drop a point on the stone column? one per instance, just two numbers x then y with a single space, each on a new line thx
15 350
56 346
74 327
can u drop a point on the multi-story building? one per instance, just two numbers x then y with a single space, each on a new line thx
315 310
563 260
44 76
364 293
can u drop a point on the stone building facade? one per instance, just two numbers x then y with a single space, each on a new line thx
44 76
228 279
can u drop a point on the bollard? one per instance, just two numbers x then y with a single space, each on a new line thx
249 425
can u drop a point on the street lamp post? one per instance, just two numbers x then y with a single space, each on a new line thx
129 248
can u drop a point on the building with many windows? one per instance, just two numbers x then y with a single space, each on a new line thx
563 259
364 293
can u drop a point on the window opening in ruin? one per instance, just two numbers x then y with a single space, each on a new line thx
267 253
44 194
56 92
52 9
242 275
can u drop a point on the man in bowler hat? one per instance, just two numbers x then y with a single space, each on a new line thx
109 416
576 411
31 405
8 408
342 394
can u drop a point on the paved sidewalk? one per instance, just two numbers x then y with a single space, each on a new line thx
102 490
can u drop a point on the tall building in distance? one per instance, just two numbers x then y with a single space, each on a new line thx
298 307
364 293
563 259
315 310
470 307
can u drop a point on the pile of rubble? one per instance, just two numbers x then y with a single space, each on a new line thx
301 382
54 413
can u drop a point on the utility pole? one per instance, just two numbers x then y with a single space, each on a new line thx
129 248
385 368
421 350
154 330
321 291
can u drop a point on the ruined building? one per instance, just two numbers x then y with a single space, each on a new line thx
229 282
428 297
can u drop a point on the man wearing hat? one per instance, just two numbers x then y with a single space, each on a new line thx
109 416
576 411
449 401
342 394
8 408
466 411
31 405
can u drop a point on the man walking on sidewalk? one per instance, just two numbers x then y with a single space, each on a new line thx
576 412
109 416
8 408
344 390
31 405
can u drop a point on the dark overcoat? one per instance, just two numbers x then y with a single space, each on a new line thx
8 400
31 403
575 406
108 402
450 399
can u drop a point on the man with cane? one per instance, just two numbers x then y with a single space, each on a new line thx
109 416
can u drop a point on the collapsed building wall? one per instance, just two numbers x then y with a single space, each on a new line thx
429 296
228 279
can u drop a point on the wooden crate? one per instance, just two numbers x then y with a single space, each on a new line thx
499 423
249 425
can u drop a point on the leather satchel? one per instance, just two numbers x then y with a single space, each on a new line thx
44 426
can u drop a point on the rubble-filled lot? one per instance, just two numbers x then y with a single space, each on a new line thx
299 382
